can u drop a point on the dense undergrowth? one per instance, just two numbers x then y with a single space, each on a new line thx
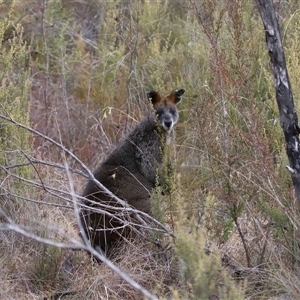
74 76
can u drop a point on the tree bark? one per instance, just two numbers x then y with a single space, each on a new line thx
284 96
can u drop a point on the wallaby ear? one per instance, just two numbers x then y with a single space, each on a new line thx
153 96
178 95
175 96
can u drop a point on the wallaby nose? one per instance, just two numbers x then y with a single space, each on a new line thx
168 124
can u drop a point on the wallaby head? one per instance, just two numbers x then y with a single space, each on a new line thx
165 107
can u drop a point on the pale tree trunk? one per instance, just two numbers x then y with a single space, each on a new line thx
284 96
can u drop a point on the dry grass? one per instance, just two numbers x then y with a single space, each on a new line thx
233 209
43 271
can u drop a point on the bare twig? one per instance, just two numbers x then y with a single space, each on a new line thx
139 216
80 246
135 213
33 160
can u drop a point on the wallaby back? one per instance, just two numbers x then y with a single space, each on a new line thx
129 172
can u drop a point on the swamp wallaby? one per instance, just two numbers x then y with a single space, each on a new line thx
130 173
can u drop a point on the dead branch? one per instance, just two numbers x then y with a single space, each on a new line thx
284 96
136 214
79 246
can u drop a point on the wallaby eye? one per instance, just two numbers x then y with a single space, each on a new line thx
159 113
173 111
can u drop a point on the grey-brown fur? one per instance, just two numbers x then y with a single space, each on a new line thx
130 171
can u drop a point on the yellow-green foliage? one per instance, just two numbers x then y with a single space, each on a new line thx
91 63
44 271
292 42
199 263
14 86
